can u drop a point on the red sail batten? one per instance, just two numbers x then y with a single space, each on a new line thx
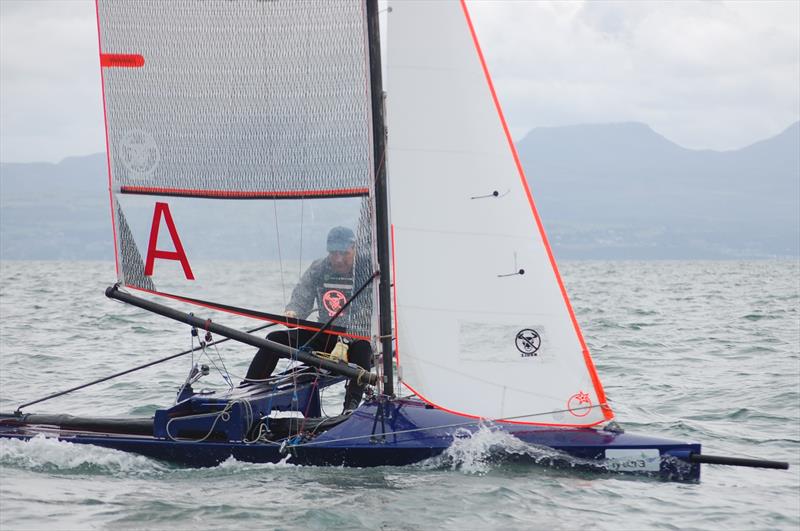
243 194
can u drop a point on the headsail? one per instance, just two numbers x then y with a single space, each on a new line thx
237 131
484 326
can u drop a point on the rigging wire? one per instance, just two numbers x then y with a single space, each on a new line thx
192 365
227 375
128 371
222 372
308 405
280 255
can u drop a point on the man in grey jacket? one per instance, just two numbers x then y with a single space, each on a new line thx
328 282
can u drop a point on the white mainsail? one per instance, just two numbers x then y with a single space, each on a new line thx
484 326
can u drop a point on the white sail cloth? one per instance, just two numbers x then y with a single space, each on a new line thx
484 327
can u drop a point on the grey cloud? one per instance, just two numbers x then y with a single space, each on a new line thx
705 74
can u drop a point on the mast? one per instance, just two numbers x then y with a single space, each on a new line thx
381 198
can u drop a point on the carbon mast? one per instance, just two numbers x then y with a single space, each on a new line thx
381 198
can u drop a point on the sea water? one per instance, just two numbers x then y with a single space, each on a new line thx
700 351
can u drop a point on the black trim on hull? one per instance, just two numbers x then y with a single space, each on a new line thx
117 425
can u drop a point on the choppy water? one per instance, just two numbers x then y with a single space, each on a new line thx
707 351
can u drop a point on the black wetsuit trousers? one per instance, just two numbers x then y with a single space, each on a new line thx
264 362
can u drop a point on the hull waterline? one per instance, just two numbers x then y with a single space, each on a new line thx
395 433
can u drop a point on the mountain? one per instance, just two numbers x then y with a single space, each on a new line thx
624 191
611 191
55 211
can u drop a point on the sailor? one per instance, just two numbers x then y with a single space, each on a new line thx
328 282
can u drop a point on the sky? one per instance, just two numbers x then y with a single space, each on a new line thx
706 75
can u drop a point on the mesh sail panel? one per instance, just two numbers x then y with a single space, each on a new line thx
132 263
212 101
359 319
237 96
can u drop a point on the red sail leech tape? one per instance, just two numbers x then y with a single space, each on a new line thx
121 60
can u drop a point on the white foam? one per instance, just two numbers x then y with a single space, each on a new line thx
45 453
232 465
476 452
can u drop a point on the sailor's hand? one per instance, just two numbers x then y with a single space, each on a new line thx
290 315
339 352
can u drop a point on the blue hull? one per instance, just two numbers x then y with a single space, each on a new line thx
396 433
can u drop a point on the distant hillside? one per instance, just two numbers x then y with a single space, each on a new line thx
56 211
615 191
624 191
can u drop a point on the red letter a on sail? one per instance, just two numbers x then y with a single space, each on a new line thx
153 253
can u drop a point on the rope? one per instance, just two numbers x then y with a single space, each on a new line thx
192 349
280 255
128 371
308 405
192 366
269 407
295 399
275 378
300 257
224 415
226 376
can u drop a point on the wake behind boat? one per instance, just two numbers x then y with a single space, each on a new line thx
249 129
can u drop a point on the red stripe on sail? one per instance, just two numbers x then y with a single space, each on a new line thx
121 60
521 422
244 194
598 387
105 125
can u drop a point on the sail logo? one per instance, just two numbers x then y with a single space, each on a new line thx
579 404
333 300
528 342
162 210
139 154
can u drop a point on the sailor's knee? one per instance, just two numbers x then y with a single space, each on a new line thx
360 353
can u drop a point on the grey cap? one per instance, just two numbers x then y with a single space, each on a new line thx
340 239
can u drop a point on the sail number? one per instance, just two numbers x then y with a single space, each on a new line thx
631 460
